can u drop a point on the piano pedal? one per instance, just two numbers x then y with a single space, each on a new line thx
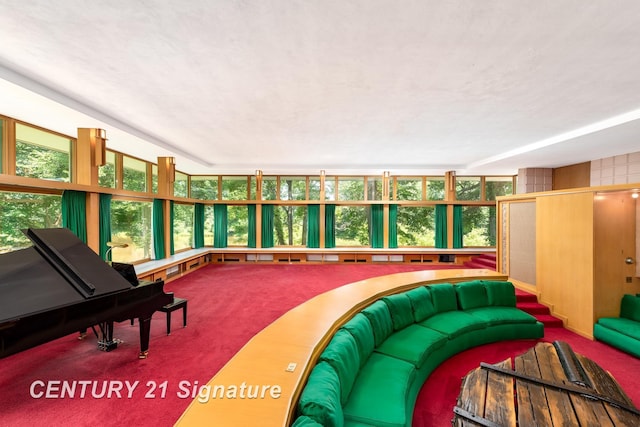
108 345
143 354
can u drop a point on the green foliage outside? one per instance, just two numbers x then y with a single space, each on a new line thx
26 210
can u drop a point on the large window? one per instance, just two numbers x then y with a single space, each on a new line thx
182 226
237 225
293 188
314 188
350 188
269 188
26 210
478 226
468 188
290 225
208 225
41 154
180 185
498 186
352 226
134 174
131 224
435 188
416 226
408 189
234 188
374 188
204 187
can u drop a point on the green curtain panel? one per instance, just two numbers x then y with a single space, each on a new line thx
198 225
171 219
457 226
330 226
313 226
376 226
74 213
105 225
267 226
393 226
220 226
158 229
251 218
441 226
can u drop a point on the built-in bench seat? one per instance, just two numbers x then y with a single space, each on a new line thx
373 367
622 332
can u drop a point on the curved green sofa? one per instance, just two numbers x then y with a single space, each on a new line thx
372 369
622 332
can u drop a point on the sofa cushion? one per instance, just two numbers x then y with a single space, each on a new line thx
343 356
471 295
421 303
627 327
320 398
413 344
630 307
379 395
360 327
454 323
304 421
380 319
500 293
400 310
501 315
443 296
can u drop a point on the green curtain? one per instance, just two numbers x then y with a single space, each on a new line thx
220 226
105 225
251 217
393 226
457 226
441 226
171 219
267 226
158 229
313 226
376 226
74 213
330 226
198 225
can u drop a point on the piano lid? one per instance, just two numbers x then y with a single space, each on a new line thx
58 270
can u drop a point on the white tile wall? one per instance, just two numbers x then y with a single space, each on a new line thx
624 169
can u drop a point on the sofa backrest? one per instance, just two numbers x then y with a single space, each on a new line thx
320 398
360 327
443 296
471 295
630 307
400 309
500 293
344 357
421 303
380 319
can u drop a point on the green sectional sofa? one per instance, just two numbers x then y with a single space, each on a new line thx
622 332
372 369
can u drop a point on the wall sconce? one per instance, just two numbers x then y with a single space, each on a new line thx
322 172
385 174
634 195
258 173
100 147
112 245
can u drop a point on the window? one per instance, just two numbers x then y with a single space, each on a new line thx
208 225
351 188
234 188
468 188
154 179
314 188
131 224
435 188
352 226
290 225
374 188
330 188
498 186
180 185
204 187
41 154
237 225
269 188
182 226
478 226
107 172
26 210
408 188
293 188
416 226
134 174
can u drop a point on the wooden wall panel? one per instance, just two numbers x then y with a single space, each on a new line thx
573 176
564 254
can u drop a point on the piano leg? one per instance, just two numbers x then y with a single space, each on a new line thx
145 331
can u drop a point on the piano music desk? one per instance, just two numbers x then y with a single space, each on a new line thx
175 305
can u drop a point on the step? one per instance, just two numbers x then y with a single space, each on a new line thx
549 321
487 262
471 264
488 256
533 307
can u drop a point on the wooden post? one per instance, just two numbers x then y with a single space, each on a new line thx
89 156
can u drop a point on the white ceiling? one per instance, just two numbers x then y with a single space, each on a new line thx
348 86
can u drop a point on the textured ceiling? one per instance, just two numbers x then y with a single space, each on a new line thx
363 86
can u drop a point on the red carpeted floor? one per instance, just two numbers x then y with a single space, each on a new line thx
227 305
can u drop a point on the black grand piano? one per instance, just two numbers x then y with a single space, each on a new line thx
60 286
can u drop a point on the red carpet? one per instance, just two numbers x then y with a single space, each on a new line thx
227 305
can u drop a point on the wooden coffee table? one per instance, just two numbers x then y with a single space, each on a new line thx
549 385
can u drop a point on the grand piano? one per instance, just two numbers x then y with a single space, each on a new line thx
60 286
